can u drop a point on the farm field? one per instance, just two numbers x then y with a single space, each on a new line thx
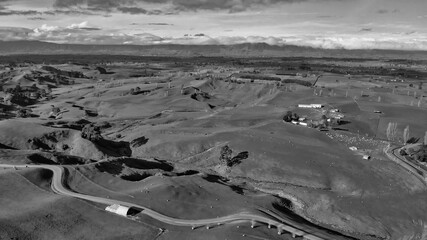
206 138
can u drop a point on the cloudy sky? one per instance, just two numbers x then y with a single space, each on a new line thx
351 24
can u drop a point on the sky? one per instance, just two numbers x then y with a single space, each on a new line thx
348 24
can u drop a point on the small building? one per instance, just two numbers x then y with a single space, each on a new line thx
118 209
310 105
336 115
303 124
353 148
366 157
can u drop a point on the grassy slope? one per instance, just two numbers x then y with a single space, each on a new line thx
34 213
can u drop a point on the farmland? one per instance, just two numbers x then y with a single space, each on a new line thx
201 138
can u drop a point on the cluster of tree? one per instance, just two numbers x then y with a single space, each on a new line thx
391 134
72 74
137 90
415 154
23 113
260 77
24 96
227 159
391 131
297 81
92 131
289 117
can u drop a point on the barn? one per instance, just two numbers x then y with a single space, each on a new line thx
118 209
310 105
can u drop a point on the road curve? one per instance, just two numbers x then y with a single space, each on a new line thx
58 187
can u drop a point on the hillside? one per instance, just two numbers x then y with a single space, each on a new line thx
174 50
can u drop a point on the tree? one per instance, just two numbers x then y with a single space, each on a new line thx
288 116
295 117
406 134
225 155
391 131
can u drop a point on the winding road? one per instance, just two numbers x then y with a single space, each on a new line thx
282 225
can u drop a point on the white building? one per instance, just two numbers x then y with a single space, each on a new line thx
310 105
118 209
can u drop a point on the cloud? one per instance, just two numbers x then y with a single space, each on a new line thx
16 12
92 4
133 6
12 34
78 34
36 18
132 10
138 10
83 26
230 5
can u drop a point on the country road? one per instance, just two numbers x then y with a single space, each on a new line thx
392 154
282 225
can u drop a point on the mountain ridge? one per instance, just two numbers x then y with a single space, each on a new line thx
23 47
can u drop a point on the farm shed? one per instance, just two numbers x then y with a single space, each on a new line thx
310 105
118 209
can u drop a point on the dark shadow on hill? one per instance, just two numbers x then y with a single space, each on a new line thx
75 125
37 158
2 146
340 129
114 149
223 181
117 167
187 173
144 164
239 157
138 142
110 167
135 177
91 113
57 158
102 70
343 122
39 177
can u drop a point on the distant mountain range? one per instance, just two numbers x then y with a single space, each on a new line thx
239 50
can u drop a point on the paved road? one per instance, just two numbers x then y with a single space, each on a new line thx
393 154
283 225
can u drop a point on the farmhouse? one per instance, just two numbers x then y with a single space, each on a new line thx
310 105
118 209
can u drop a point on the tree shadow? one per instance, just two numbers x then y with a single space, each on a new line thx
144 164
138 142
223 181
115 149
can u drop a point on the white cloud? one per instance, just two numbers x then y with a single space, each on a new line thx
77 33
79 25
46 28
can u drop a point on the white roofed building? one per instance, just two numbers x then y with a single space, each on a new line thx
118 209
